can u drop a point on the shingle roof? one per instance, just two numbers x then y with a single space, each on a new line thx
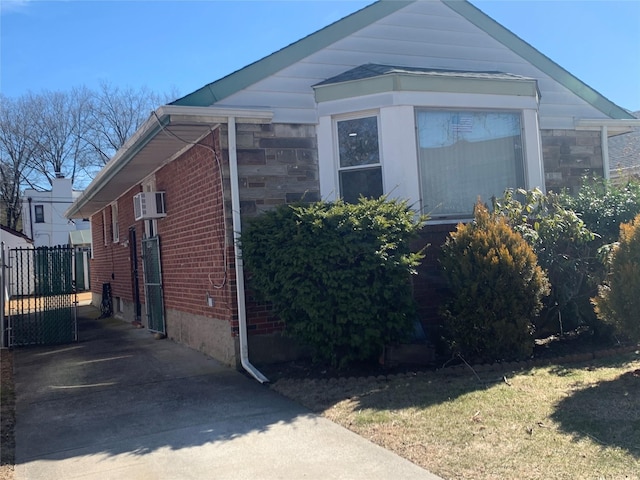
624 153
374 70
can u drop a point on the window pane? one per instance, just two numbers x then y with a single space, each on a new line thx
465 155
39 213
358 142
366 182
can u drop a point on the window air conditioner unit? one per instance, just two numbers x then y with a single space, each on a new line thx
149 205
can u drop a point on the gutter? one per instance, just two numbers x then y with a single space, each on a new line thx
237 229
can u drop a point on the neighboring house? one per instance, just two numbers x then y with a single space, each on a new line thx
43 216
430 101
624 154
80 241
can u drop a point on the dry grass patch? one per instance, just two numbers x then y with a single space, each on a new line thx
559 422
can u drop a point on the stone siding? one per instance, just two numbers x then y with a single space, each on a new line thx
277 163
568 156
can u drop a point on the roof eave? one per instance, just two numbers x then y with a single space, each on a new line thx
614 126
193 123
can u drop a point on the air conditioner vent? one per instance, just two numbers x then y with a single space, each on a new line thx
149 205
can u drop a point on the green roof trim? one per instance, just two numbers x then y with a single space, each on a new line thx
236 81
536 58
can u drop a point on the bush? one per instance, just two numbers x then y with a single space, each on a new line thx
618 300
604 206
337 274
563 246
496 289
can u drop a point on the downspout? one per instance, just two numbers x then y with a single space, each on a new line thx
237 228
604 142
30 220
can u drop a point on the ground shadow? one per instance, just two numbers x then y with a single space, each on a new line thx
120 391
608 413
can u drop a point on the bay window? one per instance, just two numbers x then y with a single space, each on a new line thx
466 154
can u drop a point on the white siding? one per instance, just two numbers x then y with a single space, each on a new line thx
423 34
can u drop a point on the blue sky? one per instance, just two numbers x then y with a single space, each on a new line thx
183 45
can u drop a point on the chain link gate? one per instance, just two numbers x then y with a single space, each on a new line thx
153 284
41 307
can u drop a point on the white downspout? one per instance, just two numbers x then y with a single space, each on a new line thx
604 141
237 229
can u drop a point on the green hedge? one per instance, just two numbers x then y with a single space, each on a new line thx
337 274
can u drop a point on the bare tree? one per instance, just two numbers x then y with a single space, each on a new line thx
18 149
116 114
61 127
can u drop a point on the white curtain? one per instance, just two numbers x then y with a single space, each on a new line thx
465 155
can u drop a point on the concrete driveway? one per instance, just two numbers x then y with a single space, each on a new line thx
121 405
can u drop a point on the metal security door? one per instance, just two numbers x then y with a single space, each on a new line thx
153 284
42 297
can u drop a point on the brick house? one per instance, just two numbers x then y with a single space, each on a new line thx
432 101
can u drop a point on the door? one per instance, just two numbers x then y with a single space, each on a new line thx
153 284
135 280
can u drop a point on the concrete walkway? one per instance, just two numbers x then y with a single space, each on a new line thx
121 405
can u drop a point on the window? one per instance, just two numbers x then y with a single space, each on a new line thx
39 213
114 222
360 171
464 155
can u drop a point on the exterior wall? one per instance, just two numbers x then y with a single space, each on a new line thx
277 164
569 155
196 260
425 34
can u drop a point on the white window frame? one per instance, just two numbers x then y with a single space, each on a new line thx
115 227
105 238
421 167
338 169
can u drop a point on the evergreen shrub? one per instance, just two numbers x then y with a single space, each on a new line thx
337 274
496 287
618 299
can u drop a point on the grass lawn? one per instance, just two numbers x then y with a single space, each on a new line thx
562 421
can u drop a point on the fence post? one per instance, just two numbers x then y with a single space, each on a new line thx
4 340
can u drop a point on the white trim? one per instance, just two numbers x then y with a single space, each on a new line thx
399 149
105 237
604 139
532 150
337 168
326 159
426 99
115 224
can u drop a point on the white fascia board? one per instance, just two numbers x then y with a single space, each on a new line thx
614 126
208 115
